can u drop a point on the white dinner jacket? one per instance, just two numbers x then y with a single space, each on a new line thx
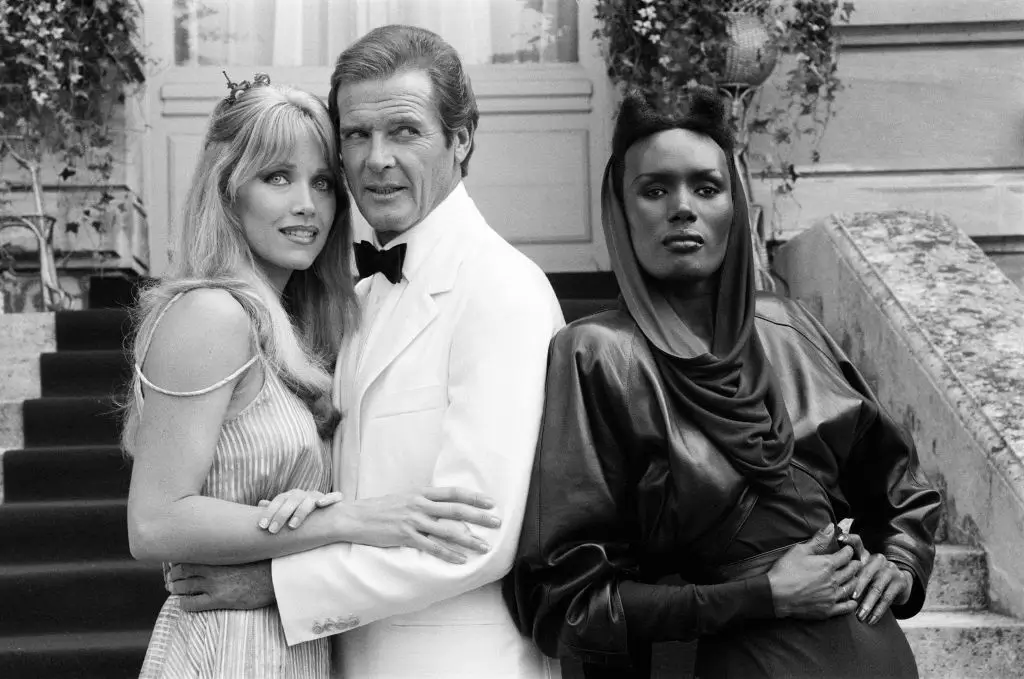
443 387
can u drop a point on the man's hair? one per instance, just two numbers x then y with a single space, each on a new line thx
388 50
704 113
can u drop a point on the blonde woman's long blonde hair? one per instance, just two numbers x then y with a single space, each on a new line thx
298 332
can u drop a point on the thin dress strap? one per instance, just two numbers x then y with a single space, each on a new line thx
198 392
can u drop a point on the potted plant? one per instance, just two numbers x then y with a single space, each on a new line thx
663 47
67 67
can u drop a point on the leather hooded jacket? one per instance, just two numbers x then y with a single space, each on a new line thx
627 489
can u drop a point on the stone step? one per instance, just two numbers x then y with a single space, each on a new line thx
57 532
966 645
63 655
65 473
959 579
79 597
83 373
12 429
19 377
27 333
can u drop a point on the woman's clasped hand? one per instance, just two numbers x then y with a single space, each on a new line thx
811 581
815 581
880 583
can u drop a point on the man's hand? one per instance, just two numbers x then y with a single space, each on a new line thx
881 583
812 583
207 588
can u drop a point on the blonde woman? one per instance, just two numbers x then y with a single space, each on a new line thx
230 404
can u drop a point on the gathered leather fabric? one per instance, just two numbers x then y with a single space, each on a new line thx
627 489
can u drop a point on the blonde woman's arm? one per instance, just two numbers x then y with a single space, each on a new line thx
202 339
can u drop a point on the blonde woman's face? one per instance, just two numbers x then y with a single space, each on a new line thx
287 210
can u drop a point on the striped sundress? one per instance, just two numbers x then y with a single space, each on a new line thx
269 447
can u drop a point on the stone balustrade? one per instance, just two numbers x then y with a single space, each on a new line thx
938 331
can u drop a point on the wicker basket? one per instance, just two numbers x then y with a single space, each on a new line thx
752 56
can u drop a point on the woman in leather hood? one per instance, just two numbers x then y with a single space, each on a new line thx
704 432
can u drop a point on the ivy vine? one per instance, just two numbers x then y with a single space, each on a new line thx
68 67
663 47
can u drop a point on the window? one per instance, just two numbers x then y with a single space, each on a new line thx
314 32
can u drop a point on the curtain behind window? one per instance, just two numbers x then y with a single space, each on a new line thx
314 32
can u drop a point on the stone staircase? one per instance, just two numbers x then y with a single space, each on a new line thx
932 321
957 636
957 612
75 604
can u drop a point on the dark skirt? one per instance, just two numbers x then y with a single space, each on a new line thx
837 648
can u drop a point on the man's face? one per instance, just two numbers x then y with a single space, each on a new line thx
398 164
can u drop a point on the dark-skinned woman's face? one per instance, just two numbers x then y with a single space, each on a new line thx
678 203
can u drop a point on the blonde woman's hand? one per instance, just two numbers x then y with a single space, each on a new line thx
432 520
292 507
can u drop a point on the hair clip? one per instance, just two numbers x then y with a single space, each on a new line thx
235 89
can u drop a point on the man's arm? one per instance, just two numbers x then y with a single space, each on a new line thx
489 434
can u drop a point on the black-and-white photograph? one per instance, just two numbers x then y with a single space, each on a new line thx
511 339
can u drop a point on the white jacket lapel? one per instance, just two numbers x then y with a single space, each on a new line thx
414 311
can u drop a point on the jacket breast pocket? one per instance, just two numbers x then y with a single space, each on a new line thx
431 397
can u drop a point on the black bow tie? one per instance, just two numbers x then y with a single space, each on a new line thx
370 260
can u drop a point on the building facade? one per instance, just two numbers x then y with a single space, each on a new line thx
931 117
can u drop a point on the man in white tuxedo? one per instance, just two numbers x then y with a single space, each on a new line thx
442 383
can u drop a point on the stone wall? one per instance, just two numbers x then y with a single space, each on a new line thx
938 331
23 337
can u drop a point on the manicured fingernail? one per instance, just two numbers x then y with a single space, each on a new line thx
483 546
274 527
264 523
861 614
293 523
494 521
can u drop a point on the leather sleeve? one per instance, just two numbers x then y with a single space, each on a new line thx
684 612
895 508
576 587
